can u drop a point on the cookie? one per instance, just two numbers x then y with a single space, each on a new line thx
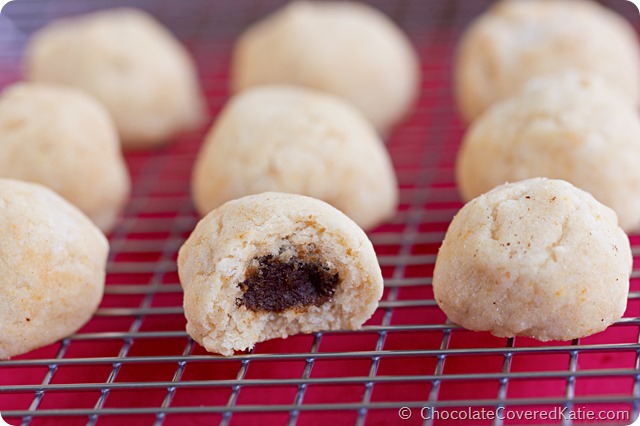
53 267
537 258
64 139
570 126
345 48
127 60
516 40
272 265
295 140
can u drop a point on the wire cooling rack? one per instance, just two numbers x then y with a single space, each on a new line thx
134 363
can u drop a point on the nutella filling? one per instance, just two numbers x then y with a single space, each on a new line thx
275 285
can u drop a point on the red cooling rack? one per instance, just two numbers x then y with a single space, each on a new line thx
134 363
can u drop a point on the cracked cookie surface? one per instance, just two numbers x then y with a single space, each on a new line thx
272 265
53 266
571 126
537 258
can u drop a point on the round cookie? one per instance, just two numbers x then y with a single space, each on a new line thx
569 126
294 140
62 138
53 267
127 60
345 48
537 258
272 265
519 39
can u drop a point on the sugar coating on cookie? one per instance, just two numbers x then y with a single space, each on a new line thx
295 140
53 267
570 126
516 40
537 258
64 139
272 265
131 63
349 49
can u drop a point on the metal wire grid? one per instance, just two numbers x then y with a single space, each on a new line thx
134 361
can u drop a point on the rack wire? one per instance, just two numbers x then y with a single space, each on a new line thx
134 363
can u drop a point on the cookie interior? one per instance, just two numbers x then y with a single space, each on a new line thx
278 283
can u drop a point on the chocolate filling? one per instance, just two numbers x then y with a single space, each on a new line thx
274 285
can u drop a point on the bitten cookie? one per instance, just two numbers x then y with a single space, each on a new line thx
519 39
53 267
295 140
272 265
569 126
132 64
345 48
537 258
64 139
